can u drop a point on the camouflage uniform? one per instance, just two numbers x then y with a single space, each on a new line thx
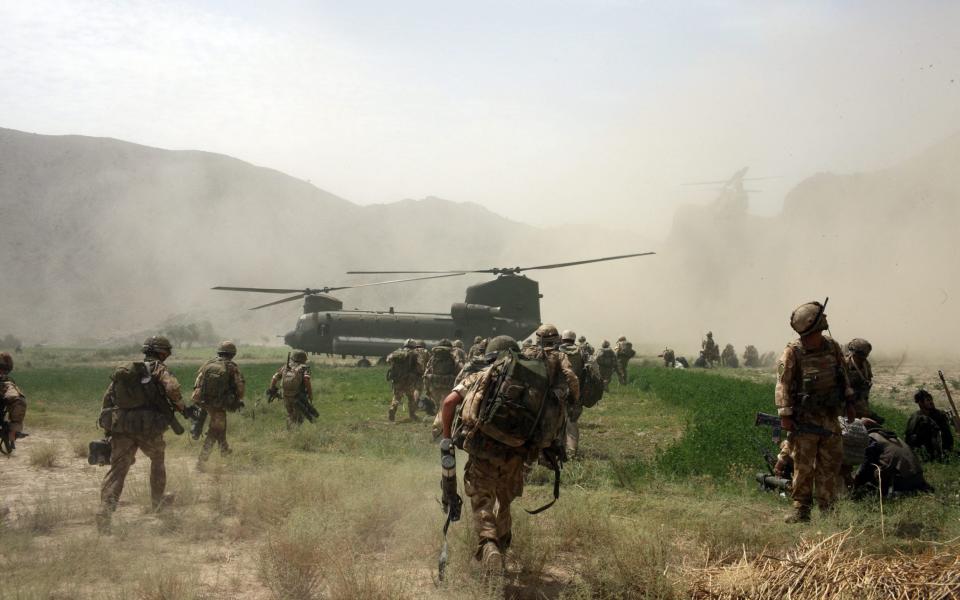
625 352
493 484
441 371
587 348
293 379
607 362
478 349
577 358
136 428
420 392
404 385
217 408
669 358
861 375
459 352
12 400
729 357
816 459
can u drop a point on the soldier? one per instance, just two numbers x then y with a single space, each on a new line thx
813 389
294 381
861 375
587 348
439 374
422 398
494 480
928 429
218 389
669 358
751 358
607 361
133 417
578 359
478 349
729 357
14 404
403 379
889 465
711 352
459 352
625 352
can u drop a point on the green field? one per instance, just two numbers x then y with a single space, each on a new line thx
347 508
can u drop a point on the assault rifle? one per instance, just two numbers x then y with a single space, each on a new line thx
165 405
773 421
954 415
306 407
772 482
7 446
198 416
451 502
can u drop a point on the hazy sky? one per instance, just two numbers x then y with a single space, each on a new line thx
546 112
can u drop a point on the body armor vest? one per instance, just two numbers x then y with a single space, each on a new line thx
292 381
820 374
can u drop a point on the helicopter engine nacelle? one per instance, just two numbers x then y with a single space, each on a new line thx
315 303
467 312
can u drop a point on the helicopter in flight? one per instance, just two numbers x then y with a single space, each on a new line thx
506 305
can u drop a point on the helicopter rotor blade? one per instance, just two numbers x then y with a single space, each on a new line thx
448 273
513 270
290 299
261 290
360 285
584 262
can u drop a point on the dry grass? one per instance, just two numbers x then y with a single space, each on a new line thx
834 568
44 455
81 449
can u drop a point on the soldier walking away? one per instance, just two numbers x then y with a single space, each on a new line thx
403 378
135 412
218 389
607 361
493 475
295 385
861 376
459 352
578 359
14 405
711 351
751 358
669 358
624 351
729 357
813 389
423 400
889 466
478 349
587 348
442 368
928 429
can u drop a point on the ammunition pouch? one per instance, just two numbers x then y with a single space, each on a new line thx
141 421
105 420
99 454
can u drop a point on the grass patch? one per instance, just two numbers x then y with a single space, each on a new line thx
44 455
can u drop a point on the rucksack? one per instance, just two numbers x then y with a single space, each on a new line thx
133 385
591 384
442 361
291 382
403 363
216 390
517 407
606 358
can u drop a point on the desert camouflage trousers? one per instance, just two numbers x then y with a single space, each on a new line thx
622 370
408 391
573 429
816 463
606 374
123 451
492 486
216 433
294 415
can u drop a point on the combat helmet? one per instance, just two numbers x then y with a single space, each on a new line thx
477 340
582 339
808 318
445 343
227 348
6 362
420 344
458 343
156 344
568 336
547 335
622 338
299 356
500 343
409 343
922 395
859 346
605 344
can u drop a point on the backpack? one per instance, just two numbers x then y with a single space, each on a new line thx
442 361
291 381
591 385
606 358
403 364
517 407
134 386
216 389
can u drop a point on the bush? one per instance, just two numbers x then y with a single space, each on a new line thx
44 456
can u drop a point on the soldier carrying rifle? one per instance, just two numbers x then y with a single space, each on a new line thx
296 388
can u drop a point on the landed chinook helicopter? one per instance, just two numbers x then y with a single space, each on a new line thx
507 305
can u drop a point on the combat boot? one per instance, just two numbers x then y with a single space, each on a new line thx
392 415
491 559
163 502
800 514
